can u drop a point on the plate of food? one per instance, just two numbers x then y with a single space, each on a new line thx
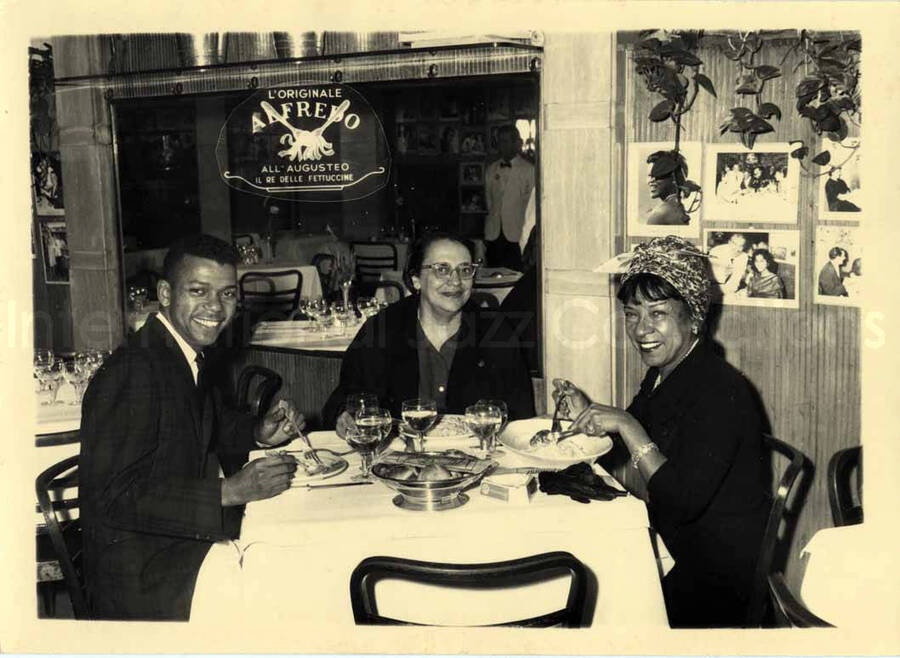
309 469
449 427
430 481
578 448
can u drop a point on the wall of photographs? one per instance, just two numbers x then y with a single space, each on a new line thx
49 243
451 131
783 246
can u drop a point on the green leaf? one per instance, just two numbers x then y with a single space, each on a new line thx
662 111
803 106
808 86
822 158
685 57
767 72
748 140
690 186
706 83
648 44
759 126
769 110
840 134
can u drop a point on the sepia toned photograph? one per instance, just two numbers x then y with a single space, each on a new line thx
424 421
838 266
750 186
754 268
839 187
657 204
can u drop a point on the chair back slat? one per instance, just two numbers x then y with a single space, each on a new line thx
759 594
276 300
372 258
844 511
789 611
485 575
46 482
257 399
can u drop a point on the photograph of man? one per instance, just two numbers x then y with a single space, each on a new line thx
154 437
832 273
508 184
666 173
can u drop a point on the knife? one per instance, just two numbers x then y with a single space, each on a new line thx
342 484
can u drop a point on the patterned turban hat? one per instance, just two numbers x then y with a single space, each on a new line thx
680 264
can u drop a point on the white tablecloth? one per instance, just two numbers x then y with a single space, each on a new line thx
311 286
293 561
298 334
850 578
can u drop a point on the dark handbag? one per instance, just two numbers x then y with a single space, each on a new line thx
579 482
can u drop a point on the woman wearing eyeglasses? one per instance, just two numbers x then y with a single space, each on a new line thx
435 344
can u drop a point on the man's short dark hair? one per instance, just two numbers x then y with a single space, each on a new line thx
834 252
201 246
668 164
508 129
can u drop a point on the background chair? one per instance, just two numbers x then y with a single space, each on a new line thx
789 612
393 291
531 569
845 510
485 299
270 295
256 389
61 560
758 608
373 258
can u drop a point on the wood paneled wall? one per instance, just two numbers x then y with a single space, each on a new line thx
804 362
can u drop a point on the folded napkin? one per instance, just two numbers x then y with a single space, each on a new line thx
579 482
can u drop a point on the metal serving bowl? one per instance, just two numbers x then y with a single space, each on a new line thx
433 495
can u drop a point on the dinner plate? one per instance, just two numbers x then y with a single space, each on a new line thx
333 466
580 448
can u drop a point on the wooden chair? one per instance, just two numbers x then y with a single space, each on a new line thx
485 300
757 608
394 291
372 258
270 295
844 510
531 569
60 561
789 612
256 388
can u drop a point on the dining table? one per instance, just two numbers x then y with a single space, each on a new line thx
291 565
498 281
304 335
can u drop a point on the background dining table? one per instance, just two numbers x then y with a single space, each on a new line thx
293 560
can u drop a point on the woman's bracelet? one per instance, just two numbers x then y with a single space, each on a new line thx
642 452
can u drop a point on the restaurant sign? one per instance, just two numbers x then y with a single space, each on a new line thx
304 142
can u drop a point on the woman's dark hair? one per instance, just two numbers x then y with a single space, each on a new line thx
420 247
652 287
201 246
770 260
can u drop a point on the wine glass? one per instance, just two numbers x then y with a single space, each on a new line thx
420 414
372 426
504 414
316 308
47 378
74 373
483 420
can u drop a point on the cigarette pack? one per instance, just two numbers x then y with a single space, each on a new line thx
510 488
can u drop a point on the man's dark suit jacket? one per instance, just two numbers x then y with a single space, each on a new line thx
149 485
830 282
383 359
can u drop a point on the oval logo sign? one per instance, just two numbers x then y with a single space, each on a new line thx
306 143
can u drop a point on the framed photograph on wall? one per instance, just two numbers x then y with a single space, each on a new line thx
471 173
472 201
839 188
406 138
450 139
427 138
473 143
46 183
758 186
54 250
653 208
838 266
754 268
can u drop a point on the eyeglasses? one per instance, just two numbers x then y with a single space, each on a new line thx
445 271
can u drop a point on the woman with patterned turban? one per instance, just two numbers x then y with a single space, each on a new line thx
693 432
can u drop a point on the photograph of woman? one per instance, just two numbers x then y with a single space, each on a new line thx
694 434
762 280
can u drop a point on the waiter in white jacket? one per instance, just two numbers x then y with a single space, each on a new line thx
509 181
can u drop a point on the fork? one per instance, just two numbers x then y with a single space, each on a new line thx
305 439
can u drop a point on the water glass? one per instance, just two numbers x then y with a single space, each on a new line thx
504 414
420 414
356 403
483 420
373 425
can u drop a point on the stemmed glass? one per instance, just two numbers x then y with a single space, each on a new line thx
420 415
358 402
343 314
76 374
367 307
47 376
316 308
504 419
483 420
373 425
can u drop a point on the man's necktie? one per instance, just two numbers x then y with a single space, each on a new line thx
200 360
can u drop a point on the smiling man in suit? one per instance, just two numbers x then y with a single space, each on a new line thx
153 497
